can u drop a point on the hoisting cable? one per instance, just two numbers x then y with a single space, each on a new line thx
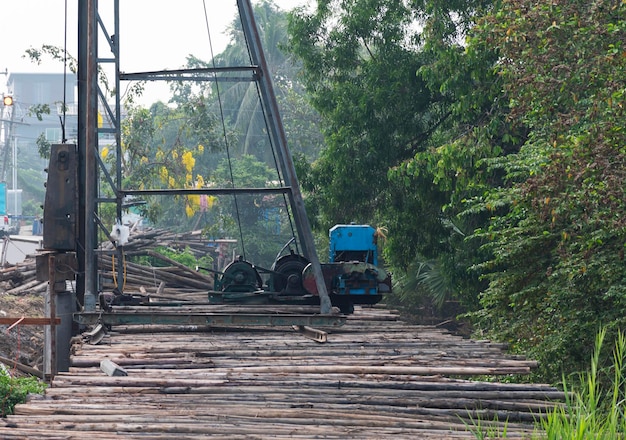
280 177
273 150
219 100
62 119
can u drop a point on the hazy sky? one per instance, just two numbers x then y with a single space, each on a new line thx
154 34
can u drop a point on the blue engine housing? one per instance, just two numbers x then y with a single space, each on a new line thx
353 243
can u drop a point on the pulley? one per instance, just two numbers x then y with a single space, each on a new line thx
240 276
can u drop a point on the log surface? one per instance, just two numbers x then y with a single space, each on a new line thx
376 377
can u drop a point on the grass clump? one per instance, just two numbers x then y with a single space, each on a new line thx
592 410
488 431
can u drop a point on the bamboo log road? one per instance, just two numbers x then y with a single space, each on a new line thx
376 377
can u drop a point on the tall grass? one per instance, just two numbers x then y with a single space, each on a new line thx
487 431
592 410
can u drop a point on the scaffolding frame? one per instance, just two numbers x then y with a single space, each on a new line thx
91 167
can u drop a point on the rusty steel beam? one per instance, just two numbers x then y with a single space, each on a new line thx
278 138
199 191
312 333
12 321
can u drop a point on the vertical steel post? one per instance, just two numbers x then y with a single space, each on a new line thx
87 143
50 348
81 141
279 141
59 303
115 47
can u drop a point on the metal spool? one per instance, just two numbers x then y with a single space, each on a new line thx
287 274
241 276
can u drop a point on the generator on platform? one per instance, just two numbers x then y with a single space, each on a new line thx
352 275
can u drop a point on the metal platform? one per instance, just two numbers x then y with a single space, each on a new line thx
146 317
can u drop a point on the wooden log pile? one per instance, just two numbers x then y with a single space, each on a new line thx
20 279
151 238
376 377
169 275
21 294
166 279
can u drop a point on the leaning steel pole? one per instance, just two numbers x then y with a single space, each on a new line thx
279 140
87 138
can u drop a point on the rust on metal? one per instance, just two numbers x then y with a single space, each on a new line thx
12 321
311 333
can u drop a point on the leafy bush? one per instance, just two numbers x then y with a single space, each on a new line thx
15 390
185 257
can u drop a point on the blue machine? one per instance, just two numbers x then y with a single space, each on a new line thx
353 243
352 275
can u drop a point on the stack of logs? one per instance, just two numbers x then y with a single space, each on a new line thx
166 278
151 238
162 279
21 294
377 377
20 279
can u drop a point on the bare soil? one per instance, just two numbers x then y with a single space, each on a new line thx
22 343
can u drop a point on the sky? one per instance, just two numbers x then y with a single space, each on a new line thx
154 34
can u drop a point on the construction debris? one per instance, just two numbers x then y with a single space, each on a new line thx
22 295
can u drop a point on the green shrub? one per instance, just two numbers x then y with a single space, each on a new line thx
15 390
185 257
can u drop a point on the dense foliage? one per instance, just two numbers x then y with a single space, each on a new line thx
487 137
408 116
557 272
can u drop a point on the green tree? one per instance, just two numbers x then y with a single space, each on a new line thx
359 70
558 270
258 220
409 115
238 101
164 148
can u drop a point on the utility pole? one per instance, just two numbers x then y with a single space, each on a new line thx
7 105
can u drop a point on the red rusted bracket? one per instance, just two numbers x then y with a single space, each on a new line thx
28 321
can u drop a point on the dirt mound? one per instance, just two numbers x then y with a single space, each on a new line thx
21 343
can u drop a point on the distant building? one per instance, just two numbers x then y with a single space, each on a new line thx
30 90
21 126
